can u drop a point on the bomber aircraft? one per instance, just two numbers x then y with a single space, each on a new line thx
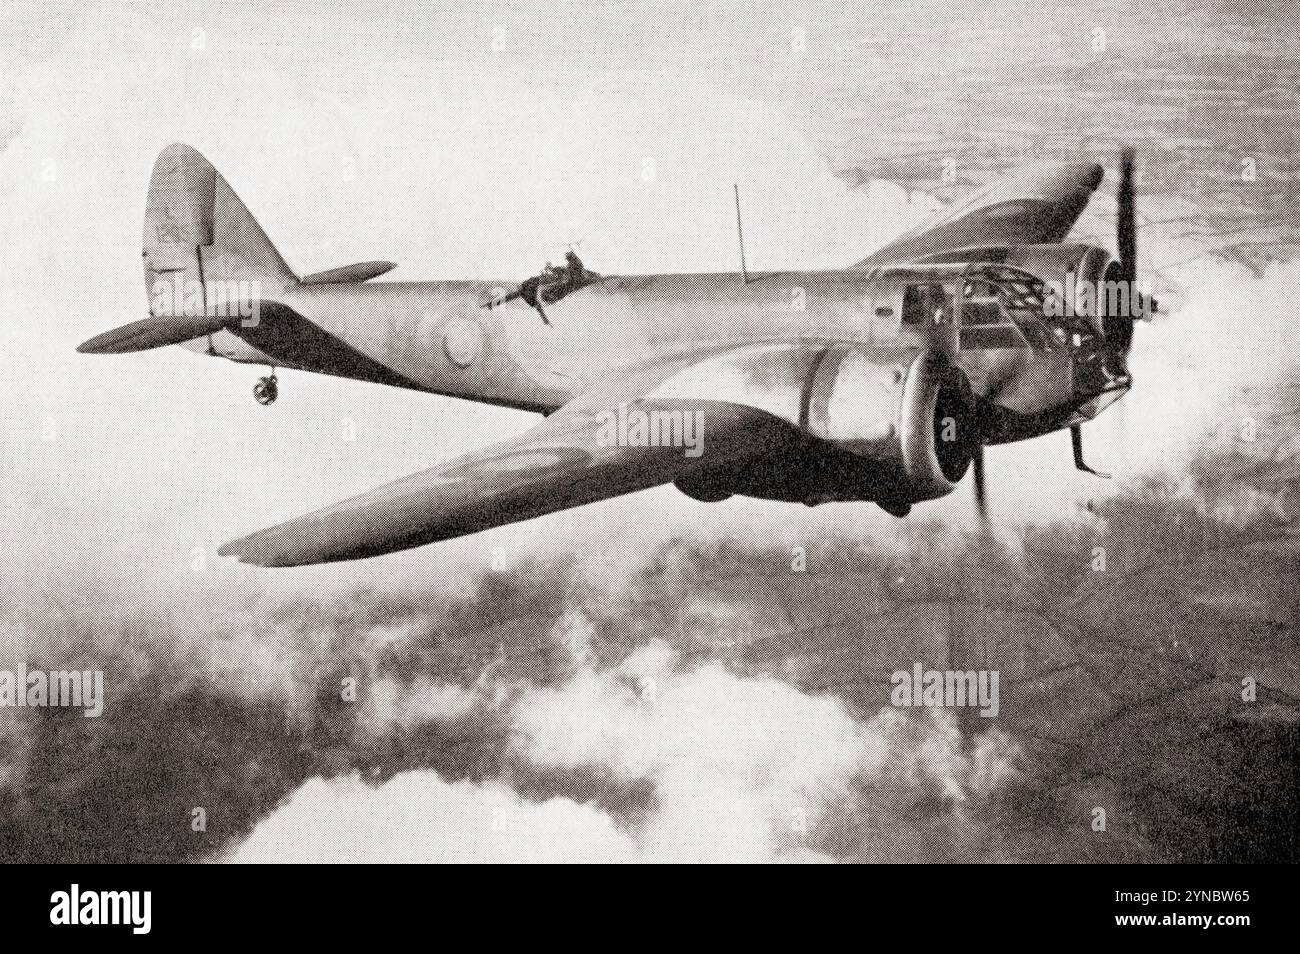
880 382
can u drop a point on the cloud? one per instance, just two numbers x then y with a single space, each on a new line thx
739 768
617 714
738 765
391 706
419 817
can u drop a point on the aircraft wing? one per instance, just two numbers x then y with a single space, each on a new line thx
1039 206
572 458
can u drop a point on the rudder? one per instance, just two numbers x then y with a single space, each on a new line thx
202 247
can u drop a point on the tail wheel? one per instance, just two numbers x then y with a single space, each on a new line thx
266 390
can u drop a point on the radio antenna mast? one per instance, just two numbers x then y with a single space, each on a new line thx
740 233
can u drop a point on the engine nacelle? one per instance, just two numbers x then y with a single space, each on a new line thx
865 425
915 423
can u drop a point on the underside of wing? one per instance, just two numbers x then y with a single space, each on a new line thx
578 455
1037 207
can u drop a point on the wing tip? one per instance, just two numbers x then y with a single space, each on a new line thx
251 552
110 342
234 550
274 549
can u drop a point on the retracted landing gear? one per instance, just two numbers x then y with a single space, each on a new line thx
266 390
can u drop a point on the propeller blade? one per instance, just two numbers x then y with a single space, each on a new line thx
1117 321
981 498
1126 222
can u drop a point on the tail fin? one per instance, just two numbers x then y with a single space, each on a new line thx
202 247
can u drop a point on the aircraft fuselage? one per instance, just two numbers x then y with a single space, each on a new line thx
441 337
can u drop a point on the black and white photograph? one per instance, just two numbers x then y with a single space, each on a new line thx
678 432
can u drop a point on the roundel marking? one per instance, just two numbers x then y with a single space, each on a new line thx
462 342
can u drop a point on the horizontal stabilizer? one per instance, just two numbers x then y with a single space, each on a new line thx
350 274
154 332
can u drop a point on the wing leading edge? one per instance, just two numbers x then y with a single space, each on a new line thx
576 456
1038 206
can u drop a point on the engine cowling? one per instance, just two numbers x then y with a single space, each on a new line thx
868 425
914 423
